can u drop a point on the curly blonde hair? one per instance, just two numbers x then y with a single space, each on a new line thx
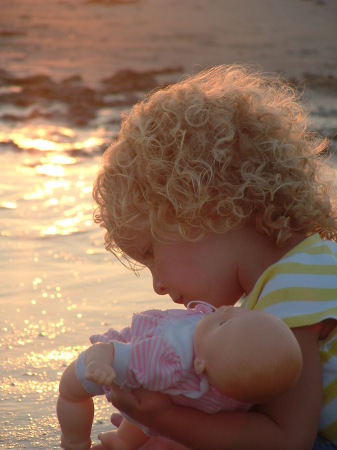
208 154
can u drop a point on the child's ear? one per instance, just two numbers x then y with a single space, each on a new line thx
199 365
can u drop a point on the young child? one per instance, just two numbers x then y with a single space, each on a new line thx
247 356
218 187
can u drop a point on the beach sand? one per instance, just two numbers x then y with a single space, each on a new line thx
58 284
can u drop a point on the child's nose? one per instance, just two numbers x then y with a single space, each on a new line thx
158 287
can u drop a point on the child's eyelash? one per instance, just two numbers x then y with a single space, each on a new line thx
148 253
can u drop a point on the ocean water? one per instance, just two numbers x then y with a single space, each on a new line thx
68 68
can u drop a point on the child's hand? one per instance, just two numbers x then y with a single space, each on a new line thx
100 373
140 404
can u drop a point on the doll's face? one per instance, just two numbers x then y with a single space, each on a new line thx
241 351
220 343
226 327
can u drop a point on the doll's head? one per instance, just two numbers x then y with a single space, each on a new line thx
250 356
209 154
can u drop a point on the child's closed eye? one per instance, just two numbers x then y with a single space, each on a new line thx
148 253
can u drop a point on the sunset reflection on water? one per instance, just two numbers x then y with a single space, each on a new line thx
50 189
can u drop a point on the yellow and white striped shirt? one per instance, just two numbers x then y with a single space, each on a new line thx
301 289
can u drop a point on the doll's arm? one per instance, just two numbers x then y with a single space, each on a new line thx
75 412
289 421
98 360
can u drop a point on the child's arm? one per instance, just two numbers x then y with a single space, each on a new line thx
75 412
287 422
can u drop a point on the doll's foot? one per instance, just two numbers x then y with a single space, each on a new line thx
111 441
67 445
100 373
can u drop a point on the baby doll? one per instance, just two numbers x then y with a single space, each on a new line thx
222 360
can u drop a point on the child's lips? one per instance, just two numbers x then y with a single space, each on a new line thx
179 300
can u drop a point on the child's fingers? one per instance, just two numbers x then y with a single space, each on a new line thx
122 399
116 419
139 402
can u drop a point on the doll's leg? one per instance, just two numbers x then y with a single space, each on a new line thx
127 437
75 411
98 360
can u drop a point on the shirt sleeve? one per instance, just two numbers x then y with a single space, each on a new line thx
301 289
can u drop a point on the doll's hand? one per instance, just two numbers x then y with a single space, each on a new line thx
140 404
100 373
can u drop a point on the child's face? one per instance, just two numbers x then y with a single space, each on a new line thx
205 270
